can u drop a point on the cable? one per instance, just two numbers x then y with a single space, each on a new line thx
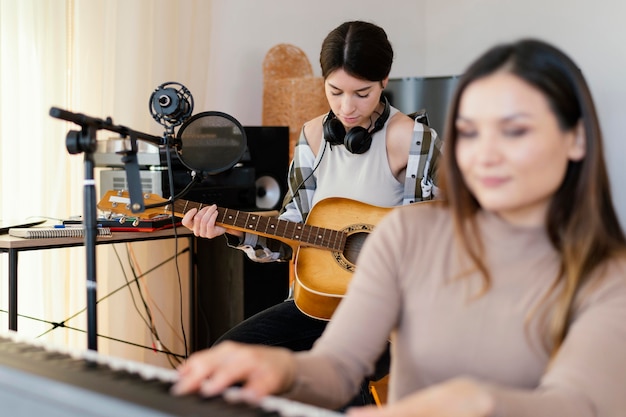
114 339
170 177
118 289
154 304
150 322
127 285
184 191
293 193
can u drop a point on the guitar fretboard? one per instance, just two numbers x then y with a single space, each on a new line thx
314 236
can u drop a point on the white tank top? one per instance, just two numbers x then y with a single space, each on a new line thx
363 177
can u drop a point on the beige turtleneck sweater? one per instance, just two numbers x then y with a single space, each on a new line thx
405 285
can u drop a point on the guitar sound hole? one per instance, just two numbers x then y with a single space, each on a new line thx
354 244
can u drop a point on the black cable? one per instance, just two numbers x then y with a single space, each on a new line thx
182 193
170 177
294 193
56 325
128 283
149 323
120 288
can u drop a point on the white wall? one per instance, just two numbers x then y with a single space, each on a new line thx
430 37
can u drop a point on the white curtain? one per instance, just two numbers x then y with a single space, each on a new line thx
98 58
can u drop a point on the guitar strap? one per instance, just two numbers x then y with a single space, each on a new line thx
426 148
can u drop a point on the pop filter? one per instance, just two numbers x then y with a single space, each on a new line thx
211 142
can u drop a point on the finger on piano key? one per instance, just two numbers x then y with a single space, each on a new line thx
283 406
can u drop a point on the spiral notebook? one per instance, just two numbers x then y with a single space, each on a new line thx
43 232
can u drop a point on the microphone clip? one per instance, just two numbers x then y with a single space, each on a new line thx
171 104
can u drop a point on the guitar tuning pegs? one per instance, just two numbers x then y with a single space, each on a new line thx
136 222
122 220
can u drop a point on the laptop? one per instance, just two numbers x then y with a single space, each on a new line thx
5 225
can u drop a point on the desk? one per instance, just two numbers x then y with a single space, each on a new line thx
14 245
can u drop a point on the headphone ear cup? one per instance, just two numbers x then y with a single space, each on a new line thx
358 140
334 132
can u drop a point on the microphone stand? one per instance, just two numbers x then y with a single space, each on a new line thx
85 141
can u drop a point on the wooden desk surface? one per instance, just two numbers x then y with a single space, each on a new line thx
8 242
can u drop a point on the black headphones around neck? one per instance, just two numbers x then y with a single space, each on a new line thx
356 140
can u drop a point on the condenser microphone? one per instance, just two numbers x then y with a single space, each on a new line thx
171 104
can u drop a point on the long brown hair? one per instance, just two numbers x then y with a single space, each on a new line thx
581 221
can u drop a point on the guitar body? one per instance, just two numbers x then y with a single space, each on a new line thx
322 276
326 247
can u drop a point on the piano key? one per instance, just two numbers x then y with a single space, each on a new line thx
36 377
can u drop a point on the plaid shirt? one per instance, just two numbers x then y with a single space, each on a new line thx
426 148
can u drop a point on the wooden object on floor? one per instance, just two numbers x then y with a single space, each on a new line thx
379 390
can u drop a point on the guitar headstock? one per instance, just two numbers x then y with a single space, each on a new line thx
115 201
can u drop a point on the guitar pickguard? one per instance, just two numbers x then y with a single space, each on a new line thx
357 233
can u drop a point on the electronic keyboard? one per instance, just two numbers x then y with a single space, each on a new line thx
37 379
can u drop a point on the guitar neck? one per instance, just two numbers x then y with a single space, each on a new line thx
271 226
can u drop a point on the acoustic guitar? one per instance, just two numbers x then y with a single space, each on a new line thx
326 247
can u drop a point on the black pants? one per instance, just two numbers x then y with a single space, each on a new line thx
286 326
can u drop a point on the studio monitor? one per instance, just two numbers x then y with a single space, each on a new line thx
258 182
268 154
233 287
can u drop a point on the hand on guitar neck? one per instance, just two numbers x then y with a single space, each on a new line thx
202 222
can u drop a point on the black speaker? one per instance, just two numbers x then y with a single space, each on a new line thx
231 287
234 189
266 284
258 182
268 154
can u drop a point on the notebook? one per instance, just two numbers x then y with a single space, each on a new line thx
43 232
